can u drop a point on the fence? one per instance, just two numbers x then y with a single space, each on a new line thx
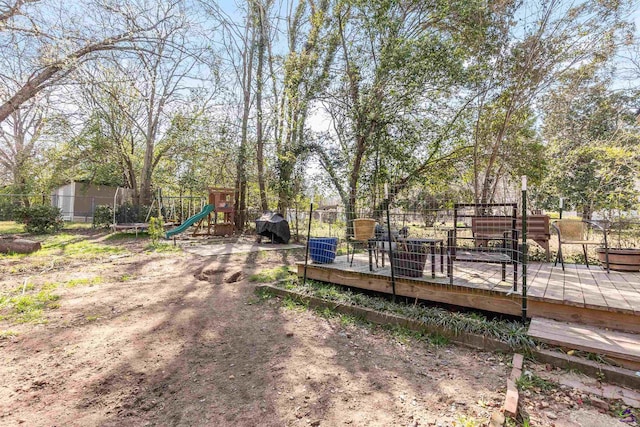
83 208
485 233
451 244
442 242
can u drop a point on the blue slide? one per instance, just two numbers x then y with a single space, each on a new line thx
206 210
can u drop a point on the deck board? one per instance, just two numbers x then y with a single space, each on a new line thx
592 296
581 337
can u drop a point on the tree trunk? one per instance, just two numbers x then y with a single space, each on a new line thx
241 167
262 39
19 246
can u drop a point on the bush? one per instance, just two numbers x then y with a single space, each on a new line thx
8 208
40 219
102 216
156 229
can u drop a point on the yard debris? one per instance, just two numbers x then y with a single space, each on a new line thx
599 403
497 419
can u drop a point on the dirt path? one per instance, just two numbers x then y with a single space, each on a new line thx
177 339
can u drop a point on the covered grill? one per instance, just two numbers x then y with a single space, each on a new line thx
273 226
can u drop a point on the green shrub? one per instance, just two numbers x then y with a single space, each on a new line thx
40 219
8 208
156 229
102 216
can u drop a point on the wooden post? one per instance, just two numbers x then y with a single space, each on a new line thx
306 255
391 263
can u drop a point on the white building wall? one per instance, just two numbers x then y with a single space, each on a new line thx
63 198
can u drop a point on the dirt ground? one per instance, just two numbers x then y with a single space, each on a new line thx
143 338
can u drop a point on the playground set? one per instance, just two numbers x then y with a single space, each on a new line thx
215 218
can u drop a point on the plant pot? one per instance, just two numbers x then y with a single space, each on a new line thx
621 259
364 228
409 261
323 249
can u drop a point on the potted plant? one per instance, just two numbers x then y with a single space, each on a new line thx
625 255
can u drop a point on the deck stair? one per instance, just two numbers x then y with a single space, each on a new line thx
620 347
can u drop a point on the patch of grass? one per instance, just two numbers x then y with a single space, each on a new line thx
7 334
76 245
467 421
84 282
596 358
126 277
328 292
530 381
92 318
162 247
270 275
438 340
88 248
12 255
78 225
18 290
29 308
289 303
510 332
10 227
264 294
60 241
50 286
325 312
402 334
349 320
125 235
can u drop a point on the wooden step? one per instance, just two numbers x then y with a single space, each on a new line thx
623 347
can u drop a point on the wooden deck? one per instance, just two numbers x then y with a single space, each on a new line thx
578 294
622 347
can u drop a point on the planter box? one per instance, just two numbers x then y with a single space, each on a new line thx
621 259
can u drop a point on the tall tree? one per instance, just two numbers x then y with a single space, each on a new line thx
138 104
594 143
261 17
313 39
545 41
396 111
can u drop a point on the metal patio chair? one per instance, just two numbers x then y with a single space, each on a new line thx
576 232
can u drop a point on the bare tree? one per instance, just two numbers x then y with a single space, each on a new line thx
59 41
9 9
143 100
19 138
